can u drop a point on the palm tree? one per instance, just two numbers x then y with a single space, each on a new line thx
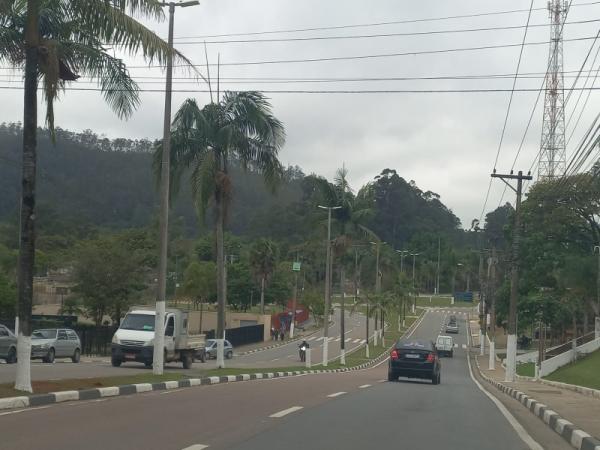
351 219
263 257
239 128
56 42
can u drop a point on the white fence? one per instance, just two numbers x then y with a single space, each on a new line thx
550 365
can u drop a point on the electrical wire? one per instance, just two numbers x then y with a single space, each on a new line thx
512 93
376 24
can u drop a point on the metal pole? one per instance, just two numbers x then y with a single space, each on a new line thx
437 280
159 326
327 291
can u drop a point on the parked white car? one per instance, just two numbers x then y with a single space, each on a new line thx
445 345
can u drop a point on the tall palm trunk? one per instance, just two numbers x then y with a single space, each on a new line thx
27 229
262 294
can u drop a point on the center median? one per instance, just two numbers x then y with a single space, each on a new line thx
56 391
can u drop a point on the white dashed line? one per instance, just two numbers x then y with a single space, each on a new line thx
356 341
364 386
336 394
196 447
285 412
312 338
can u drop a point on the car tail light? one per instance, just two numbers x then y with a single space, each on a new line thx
430 358
394 354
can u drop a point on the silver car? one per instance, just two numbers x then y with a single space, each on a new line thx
211 349
8 345
53 343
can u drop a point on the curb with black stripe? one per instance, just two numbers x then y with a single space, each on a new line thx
579 439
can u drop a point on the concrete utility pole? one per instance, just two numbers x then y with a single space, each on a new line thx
511 343
377 286
484 302
491 286
159 324
597 318
327 285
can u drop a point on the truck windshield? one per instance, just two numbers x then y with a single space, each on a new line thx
140 322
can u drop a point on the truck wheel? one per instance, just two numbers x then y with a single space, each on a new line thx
115 362
187 361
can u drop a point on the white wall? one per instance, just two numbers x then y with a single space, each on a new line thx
550 365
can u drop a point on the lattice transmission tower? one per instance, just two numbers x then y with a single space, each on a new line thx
552 161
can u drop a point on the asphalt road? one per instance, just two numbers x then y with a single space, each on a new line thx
283 356
354 410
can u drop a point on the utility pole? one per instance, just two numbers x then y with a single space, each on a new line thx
327 285
511 344
483 302
377 286
296 268
491 289
597 318
159 325
437 273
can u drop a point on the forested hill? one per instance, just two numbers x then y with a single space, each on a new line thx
89 180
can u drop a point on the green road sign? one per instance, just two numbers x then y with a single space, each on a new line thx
296 267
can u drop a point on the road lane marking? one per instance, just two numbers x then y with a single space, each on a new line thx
276 359
464 346
18 411
196 447
525 437
312 338
356 341
338 339
381 381
364 386
285 412
336 394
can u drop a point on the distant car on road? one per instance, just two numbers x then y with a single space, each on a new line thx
445 345
8 345
211 349
452 327
414 358
51 343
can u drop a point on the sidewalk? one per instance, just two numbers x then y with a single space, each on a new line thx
582 411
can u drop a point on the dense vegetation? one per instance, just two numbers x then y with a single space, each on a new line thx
95 191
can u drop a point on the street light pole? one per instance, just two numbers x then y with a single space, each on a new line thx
327 285
414 309
402 253
437 274
159 324
597 318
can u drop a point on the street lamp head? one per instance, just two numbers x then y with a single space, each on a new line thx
190 3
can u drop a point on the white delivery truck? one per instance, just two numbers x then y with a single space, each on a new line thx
134 339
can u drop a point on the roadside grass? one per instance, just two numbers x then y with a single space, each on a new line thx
526 369
584 372
43 387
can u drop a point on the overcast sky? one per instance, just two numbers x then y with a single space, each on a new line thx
446 142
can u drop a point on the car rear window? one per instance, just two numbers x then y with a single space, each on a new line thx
415 344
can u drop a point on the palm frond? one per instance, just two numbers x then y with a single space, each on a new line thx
111 23
203 179
120 91
11 46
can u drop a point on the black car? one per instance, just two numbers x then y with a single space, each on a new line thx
414 358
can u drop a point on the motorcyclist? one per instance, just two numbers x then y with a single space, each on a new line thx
303 347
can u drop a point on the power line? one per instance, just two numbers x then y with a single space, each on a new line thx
374 24
317 91
372 36
359 57
369 56
512 93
